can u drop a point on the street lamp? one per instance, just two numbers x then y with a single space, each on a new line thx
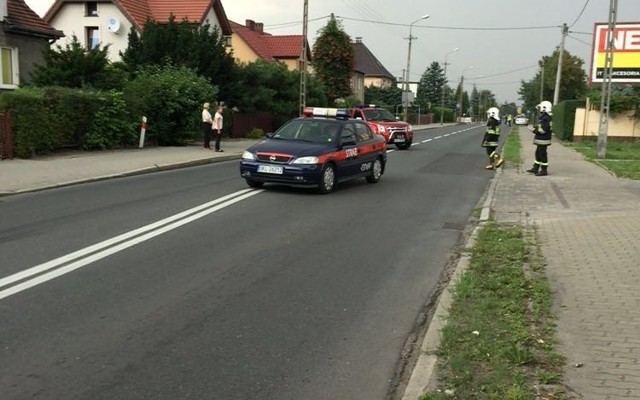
444 83
406 79
461 89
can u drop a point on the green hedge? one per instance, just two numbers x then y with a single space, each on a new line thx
564 115
51 118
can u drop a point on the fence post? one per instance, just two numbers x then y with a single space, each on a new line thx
143 129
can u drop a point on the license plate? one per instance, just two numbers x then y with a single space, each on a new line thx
270 169
399 139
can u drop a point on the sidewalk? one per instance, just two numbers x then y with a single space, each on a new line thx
588 225
588 228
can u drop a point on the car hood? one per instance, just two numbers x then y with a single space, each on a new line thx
293 147
393 124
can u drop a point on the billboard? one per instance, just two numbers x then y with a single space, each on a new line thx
626 52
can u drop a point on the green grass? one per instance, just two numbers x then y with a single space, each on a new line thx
622 159
498 342
511 147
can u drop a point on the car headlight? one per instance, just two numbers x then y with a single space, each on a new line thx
306 160
248 156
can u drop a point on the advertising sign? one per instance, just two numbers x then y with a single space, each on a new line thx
626 52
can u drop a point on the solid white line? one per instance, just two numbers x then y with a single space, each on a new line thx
242 194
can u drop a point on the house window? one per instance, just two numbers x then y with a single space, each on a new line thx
227 41
93 37
92 8
9 67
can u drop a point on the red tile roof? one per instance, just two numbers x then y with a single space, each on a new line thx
267 46
139 11
22 19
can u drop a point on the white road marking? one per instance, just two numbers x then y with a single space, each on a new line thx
88 255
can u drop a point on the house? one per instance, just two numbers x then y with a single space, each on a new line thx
108 22
252 43
23 39
375 74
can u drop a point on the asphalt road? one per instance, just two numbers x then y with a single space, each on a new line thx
188 284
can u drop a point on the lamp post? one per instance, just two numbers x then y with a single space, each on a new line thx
444 83
461 89
406 79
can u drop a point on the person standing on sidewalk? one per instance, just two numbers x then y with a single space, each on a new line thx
217 128
492 138
206 126
542 139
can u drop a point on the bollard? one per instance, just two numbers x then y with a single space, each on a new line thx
143 129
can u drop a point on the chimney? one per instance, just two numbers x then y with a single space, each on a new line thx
358 39
259 27
251 24
3 10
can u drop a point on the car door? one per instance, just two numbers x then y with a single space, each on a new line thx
367 151
348 164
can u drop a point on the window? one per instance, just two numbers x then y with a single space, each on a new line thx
363 133
92 8
93 38
9 67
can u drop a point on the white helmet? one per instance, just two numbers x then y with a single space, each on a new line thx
493 112
545 106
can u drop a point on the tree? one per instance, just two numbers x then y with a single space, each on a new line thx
388 97
333 59
201 48
74 66
573 83
430 87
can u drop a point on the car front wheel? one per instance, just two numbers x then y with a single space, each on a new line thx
254 184
403 146
376 171
328 179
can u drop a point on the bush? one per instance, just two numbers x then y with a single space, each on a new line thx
171 98
564 115
256 133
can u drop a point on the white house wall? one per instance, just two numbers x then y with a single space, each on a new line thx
71 19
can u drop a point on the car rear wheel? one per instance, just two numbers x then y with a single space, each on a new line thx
403 146
328 181
376 171
254 184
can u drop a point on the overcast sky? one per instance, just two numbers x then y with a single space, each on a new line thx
500 41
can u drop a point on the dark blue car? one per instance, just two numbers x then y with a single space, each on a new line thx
319 150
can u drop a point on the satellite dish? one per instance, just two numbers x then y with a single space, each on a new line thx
113 24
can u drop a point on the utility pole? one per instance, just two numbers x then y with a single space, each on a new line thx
605 101
542 83
407 77
556 92
303 58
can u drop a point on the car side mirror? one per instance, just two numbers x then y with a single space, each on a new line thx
269 135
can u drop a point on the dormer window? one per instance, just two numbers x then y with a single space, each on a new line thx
92 8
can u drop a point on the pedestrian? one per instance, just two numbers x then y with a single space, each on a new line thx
206 126
542 139
217 128
492 138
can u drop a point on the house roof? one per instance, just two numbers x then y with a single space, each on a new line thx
365 61
267 46
139 11
22 19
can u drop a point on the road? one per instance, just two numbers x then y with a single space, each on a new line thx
188 284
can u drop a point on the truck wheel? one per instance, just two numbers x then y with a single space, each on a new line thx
404 145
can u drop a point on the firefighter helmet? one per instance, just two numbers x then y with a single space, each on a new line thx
545 106
493 112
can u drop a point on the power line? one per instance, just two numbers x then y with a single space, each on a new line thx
452 27
579 40
580 15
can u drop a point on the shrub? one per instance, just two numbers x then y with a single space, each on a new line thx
256 133
171 98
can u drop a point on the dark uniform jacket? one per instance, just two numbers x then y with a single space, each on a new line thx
543 131
492 134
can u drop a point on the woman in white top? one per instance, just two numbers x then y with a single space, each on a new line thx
217 127
206 126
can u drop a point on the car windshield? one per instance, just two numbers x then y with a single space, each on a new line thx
379 114
309 130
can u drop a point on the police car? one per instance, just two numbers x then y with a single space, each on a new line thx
320 149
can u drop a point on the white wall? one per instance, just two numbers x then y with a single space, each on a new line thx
72 20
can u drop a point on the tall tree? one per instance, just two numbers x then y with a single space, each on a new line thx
573 83
430 87
333 59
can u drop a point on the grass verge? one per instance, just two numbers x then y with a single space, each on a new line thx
498 342
511 146
622 159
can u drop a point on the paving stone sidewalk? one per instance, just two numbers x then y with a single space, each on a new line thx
588 225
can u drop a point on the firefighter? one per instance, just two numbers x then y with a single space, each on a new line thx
492 137
542 139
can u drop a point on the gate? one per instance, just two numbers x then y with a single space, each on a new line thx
6 136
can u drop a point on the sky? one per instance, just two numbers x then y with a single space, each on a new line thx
499 42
